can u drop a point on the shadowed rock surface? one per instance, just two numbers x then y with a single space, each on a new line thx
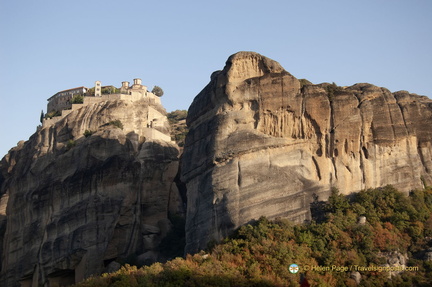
262 144
71 205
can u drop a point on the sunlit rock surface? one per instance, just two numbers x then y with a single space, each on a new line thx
263 143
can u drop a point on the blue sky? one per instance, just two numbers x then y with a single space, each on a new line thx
47 46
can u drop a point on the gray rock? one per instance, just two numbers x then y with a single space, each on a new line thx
147 258
356 276
113 267
70 202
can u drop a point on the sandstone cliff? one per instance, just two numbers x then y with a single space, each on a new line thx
263 143
71 204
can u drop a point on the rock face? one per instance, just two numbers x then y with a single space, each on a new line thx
71 204
262 142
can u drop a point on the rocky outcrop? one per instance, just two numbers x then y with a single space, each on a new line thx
262 143
72 204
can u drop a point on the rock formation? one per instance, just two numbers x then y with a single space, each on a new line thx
72 204
262 143
97 186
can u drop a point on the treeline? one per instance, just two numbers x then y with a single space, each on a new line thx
346 244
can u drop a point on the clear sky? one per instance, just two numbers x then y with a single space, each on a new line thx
49 45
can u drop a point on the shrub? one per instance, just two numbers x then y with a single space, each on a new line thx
77 99
332 89
259 253
177 115
53 114
70 144
90 92
116 123
110 90
88 133
304 82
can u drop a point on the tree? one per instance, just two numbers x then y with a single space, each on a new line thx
157 91
77 99
42 116
337 202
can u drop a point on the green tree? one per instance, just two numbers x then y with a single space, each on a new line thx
179 129
90 92
157 91
337 202
77 99
110 90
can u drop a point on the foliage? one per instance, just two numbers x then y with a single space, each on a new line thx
52 114
332 89
116 123
77 99
109 90
157 91
176 116
179 130
258 254
90 92
70 144
304 82
88 133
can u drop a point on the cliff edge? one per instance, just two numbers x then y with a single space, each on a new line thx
263 143
93 188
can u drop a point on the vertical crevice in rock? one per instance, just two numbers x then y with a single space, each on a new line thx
316 130
392 123
239 174
317 169
302 116
365 152
403 116
332 132
255 106
182 189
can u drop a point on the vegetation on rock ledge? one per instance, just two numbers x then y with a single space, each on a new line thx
116 123
77 99
260 254
179 130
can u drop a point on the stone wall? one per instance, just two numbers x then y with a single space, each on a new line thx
59 103
153 134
